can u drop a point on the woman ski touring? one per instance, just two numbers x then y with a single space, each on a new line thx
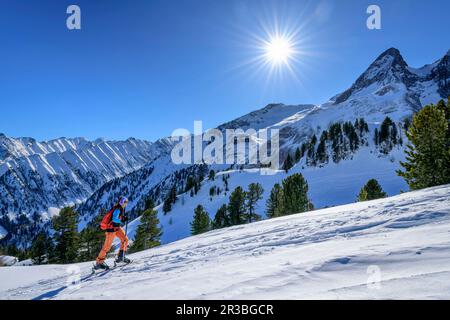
112 223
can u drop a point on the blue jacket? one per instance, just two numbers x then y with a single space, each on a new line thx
115 216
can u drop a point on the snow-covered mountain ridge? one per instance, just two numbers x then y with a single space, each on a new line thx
393 248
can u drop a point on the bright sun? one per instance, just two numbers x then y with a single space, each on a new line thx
278 50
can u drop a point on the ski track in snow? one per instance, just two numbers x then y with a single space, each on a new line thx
324 254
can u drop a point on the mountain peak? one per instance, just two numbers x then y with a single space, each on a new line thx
388 68
389 59
392 52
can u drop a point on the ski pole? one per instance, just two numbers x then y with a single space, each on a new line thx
126 235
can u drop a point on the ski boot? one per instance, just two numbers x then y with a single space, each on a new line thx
121 258
101 266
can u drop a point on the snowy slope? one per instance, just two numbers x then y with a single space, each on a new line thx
334 253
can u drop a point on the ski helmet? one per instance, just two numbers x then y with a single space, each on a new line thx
123 200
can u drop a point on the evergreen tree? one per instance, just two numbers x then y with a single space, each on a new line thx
393 134
42 248
190 182
274 205
321 154
428 154
201 222
148 232
288 163
149 204
295 194
173 194
167 206
352 136
298 155
212 175
197 186
311 154
253 195
337 141
303 149
236 207
212 191
66 236
225 182
221 219
362 126
385 131
445 108
371 191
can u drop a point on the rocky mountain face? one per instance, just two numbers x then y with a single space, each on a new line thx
388 88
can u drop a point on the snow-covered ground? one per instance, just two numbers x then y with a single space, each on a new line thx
334 253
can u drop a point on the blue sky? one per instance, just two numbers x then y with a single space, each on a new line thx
144 68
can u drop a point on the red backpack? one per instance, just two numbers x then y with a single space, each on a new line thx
106 221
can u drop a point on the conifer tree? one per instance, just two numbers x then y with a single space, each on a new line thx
428 152
212 191
221 219
298 155
321 154
337 140
445 108
311 154
236 207
167 206
295 194
385 133
371 191
148 233
173 194
212 175
253 195
189 183
41 248
288 163
201 222
66 236
303 149
274 205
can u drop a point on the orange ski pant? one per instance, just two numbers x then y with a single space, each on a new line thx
110 236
